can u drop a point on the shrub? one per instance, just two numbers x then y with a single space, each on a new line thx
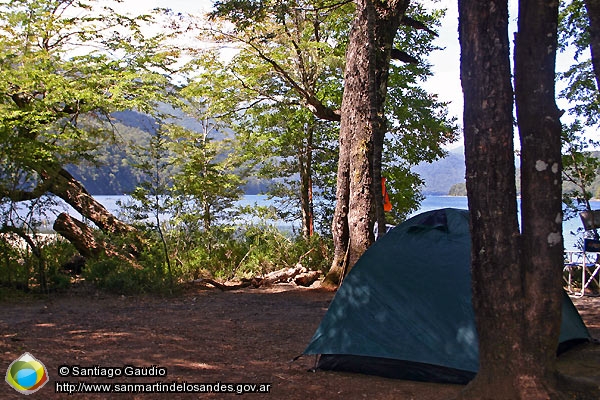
113 275
39 270
248 251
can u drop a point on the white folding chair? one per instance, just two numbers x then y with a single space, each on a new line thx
585 261
582 263
590 267
572 262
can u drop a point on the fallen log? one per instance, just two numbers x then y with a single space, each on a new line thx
282 275
298 275
69 189
222 286
307 278
65 186
87 243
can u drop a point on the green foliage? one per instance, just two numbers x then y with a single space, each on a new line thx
580 170
152 274
226 252
64 68
67 67
152 195
580 165
247 251
209 176
16 268
110 275
419 123
288 56
39 269
580 91
280 89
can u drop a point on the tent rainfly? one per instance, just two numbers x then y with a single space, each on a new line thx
404 311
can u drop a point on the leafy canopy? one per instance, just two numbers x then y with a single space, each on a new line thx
286 75
65 66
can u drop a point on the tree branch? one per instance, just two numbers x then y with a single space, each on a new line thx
404 57
413 23
320 110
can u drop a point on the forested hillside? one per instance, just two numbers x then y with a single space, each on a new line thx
458 188
113 171
114 174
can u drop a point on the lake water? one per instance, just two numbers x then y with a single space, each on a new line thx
429 203
569 227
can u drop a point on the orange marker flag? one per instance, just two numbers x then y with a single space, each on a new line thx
387 204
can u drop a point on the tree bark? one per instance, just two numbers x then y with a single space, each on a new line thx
593 11
516 286
66 187
339 227
79 234
362 128
61 183
541 192
491 188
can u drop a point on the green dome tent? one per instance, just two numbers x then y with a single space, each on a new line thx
404 310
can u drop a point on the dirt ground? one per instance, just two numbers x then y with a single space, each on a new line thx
205 336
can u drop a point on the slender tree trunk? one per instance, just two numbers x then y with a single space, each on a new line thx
362 128
377 189
593 11
305 154
206 216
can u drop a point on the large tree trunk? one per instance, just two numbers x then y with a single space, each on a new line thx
541 192
339 228
516 282
88 244
79 234
490 179
593 11
362 127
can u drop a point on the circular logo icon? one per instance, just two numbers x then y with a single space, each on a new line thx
26 374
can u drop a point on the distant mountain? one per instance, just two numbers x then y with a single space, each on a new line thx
134 119
146 123
440 175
